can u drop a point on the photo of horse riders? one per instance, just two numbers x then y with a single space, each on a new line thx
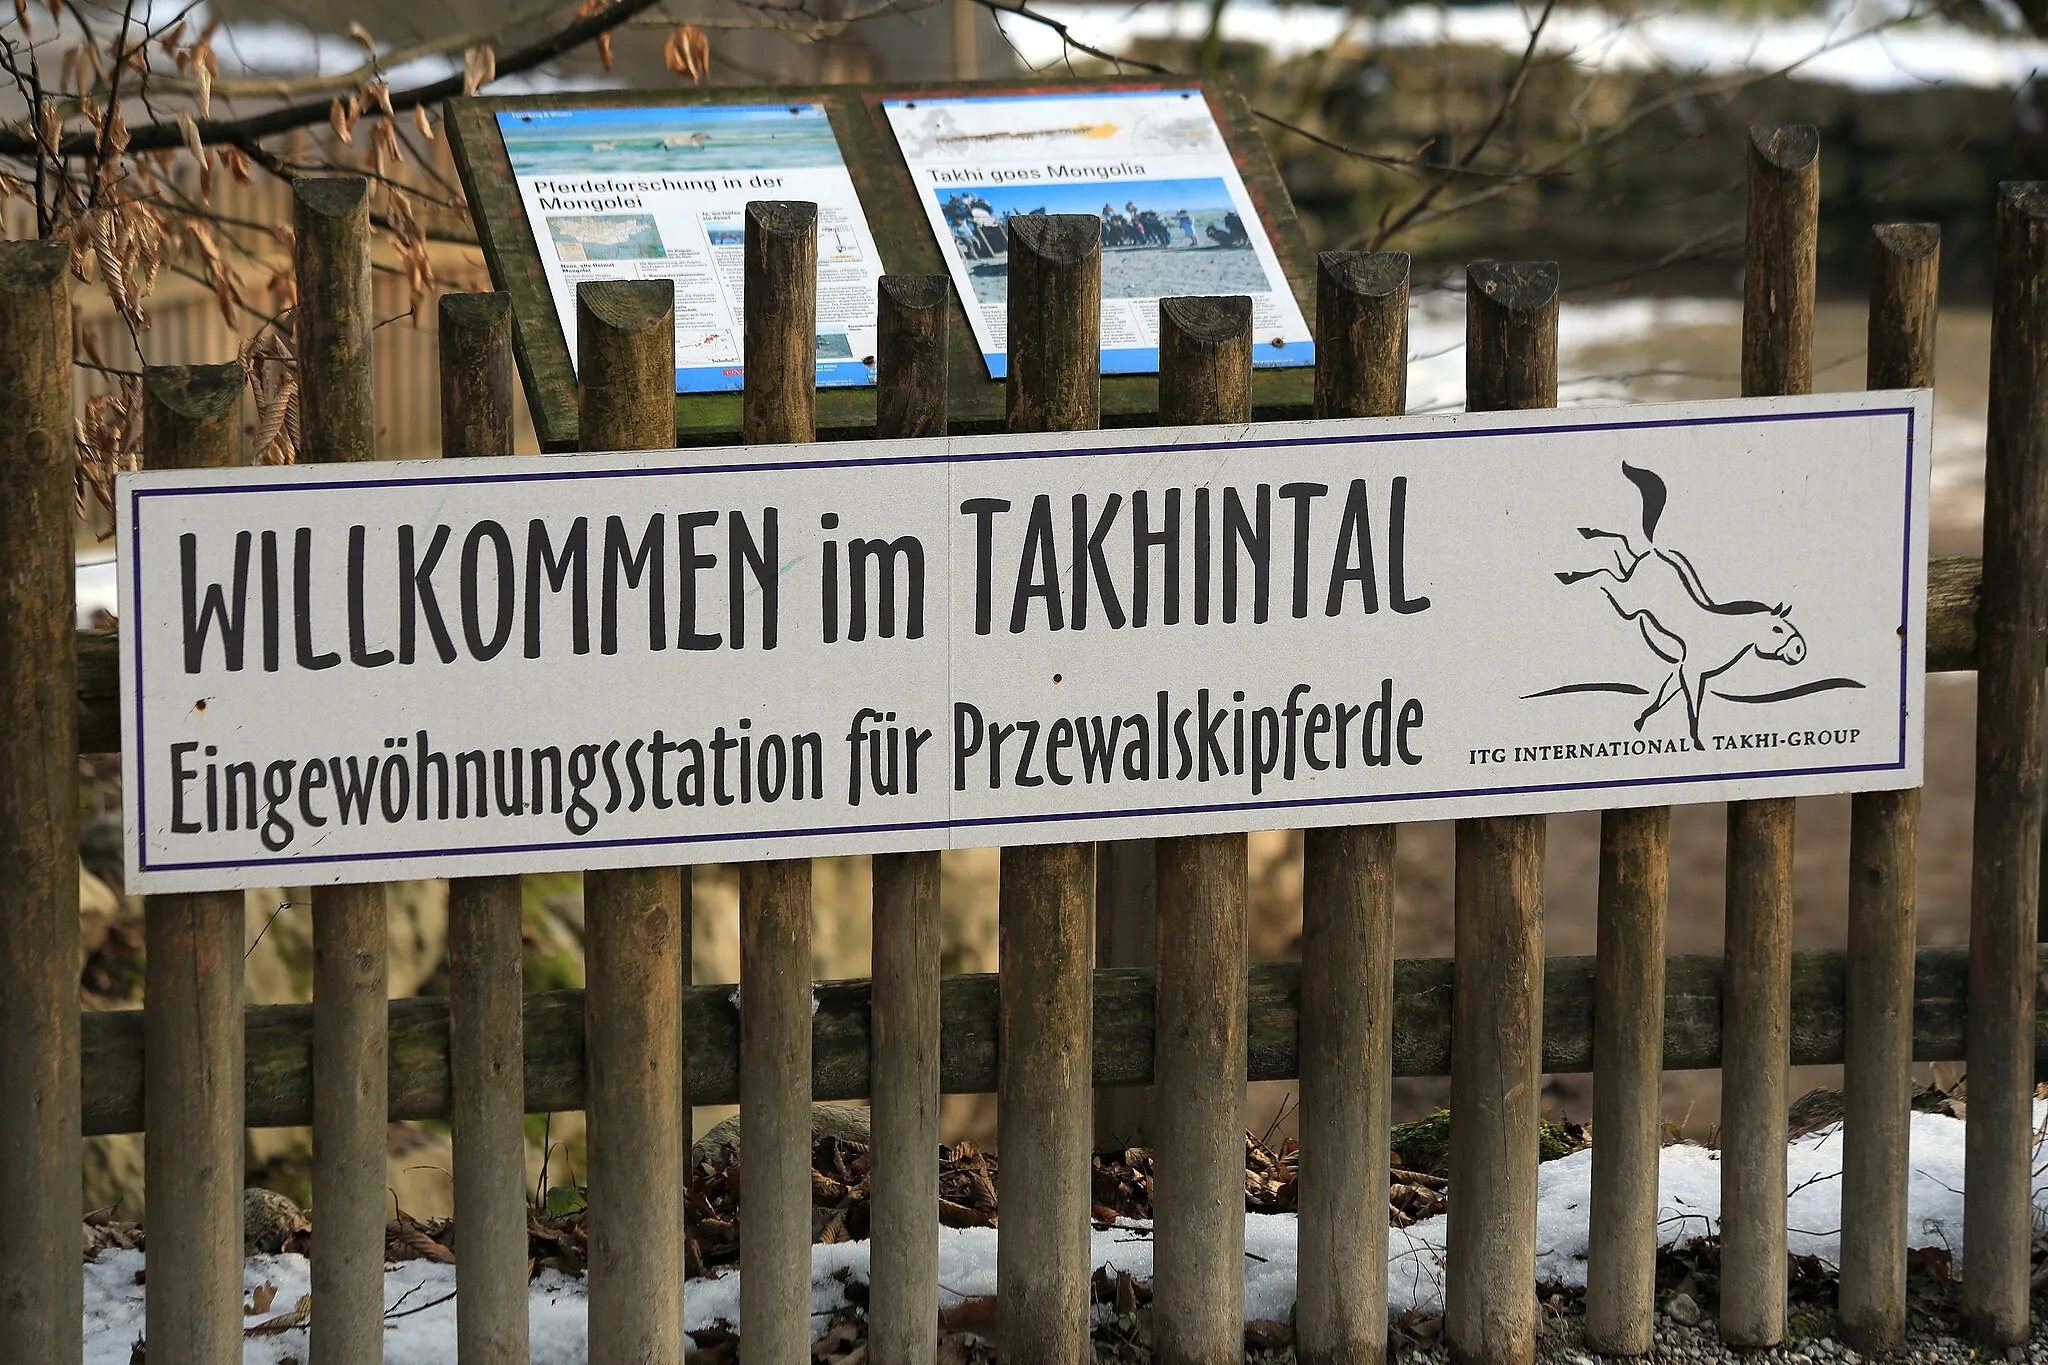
1159 237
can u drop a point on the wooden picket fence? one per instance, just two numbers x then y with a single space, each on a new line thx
640 1046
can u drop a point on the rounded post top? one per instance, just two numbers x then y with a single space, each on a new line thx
29 267
1793 147
1908 241
1058 238
2028 198
920 293
1371 274
198 392
626 305
782 217
331 196
1212 320
478 312
1514 286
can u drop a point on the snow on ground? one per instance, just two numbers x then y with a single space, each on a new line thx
1861 44
1689 1192
1436 342
94 587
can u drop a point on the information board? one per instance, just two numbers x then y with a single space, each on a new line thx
897 214
1151 165
654 193
342 673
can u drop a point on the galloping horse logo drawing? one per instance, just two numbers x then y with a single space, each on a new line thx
1658 589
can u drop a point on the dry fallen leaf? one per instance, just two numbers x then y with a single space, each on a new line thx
301 1312
970 1315
260 1300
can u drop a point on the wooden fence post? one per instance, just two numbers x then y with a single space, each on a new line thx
486 962
1126 935
1628 1074
637 1104
903 1209
1347 912
192 994
2005 860
781 301
1047 1025
350 948
1756 1000
41 1286
1497 1036
1877 1077
1205 376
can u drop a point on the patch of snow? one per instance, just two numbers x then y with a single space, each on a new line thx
1860 45
1689 1199
1436 343
1689 1205
556 1312
94 590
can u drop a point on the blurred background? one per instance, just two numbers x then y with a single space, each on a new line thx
157 138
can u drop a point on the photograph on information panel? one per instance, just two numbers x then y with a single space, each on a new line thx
465 667
1150 165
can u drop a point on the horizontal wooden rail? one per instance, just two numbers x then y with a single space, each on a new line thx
280 1037
1952 587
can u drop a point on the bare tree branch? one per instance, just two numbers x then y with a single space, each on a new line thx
1500 113
1426 209
163 136
301 87
1412 164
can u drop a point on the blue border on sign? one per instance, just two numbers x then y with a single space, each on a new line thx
732 378
137 498
1145 360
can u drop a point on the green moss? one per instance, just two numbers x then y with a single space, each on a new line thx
553 944
536 889
1425 1145
1812 1325
1560 1139
553 971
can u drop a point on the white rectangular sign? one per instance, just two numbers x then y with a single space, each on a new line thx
488 666
661 192
1150 164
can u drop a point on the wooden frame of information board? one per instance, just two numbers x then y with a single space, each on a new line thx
901 230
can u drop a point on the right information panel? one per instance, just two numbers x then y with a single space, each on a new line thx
1151 165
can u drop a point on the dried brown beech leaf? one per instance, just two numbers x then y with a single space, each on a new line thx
301 1314
687 52
479 68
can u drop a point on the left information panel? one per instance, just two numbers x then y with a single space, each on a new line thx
661 192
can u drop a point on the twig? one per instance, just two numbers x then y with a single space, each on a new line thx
1500 114
123 374
282 906
1279 1116
399 1302
295 87
420 1308
151 137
